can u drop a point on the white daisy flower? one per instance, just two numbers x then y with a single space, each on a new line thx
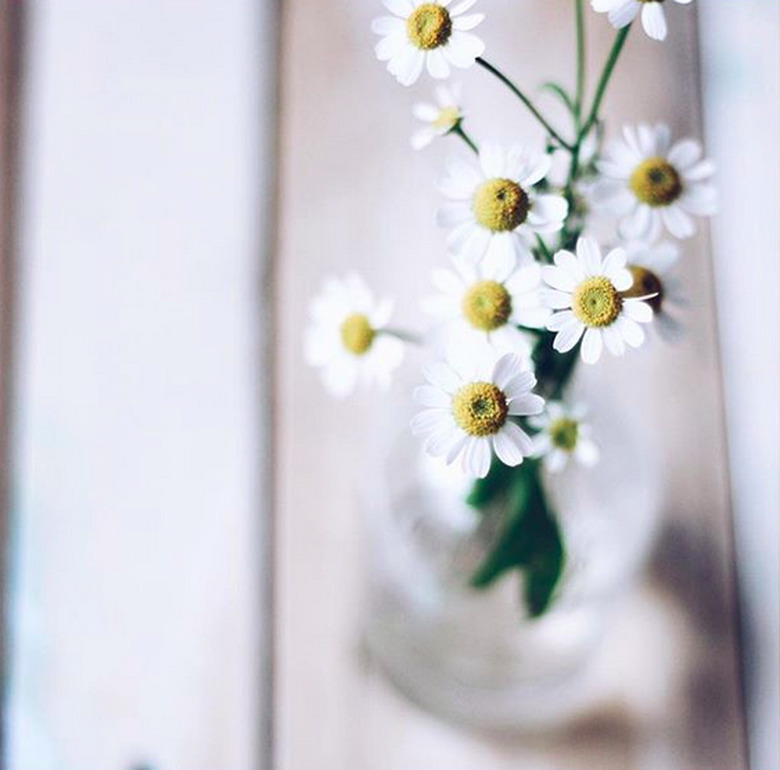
346 340
469 408
623 12
427 33
652 268
479 305
495 212
563 436
587 292
651 184
438 118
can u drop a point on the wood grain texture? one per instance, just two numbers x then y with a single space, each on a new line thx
355 196
11 35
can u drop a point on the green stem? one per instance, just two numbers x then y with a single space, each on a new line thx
525 100
546 253
457 130
580 19
606 74
404 336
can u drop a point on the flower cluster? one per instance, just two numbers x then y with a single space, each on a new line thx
526 281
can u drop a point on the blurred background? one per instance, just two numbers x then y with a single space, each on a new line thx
183 551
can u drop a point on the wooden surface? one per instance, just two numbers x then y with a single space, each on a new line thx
11 31
354 196
140 456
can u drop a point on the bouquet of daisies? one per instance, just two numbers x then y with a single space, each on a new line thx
528 293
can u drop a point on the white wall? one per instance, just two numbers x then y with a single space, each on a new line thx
741 77
140 446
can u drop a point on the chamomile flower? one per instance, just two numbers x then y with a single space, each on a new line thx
588 293
438 118
623 12
427 34
651 184
494 211
468 411
486 304
563 436
652 267
346 340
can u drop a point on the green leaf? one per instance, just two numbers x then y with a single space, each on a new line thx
560 92
485 491
530 540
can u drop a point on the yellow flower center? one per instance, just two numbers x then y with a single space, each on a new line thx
447 118
564 433
656 182
646 282
357 335
500 205
429 26
487 306
596 302
480 408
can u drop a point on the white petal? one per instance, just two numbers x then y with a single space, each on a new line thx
388 25
592 345
632 332
506 369
547 213
492 160
623 13
400 8
568 336
646 138
638 311
554 299
477 457
469 242
559 279
465 23
654 20
511 445
456 448
435 398
556 461
389 47
461 179
422 138
568 262
425 111
614 268
685 154
408 65
442 376
456 10
642 225
560 321
586 453
537 171
427 422
502 253
520 385
589 255
443 440
438 66
523 406
703 170
463 48
700 199
677 222
613 340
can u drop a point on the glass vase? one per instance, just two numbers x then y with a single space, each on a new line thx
476 656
